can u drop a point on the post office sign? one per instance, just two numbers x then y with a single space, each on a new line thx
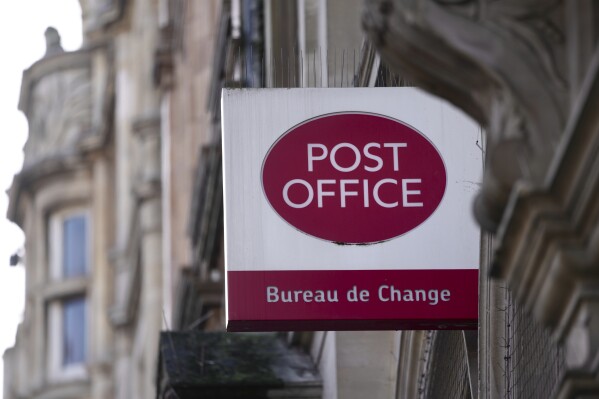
349 209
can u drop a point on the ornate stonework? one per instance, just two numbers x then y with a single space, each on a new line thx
98 14
59 113
500 61
528 71
67 98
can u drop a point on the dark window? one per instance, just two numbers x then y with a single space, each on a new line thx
74 246
74 331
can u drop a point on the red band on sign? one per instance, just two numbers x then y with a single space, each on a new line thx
352 300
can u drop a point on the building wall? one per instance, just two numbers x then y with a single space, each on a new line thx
187 126
156 114
66 174
137 304
128 128
351 364
136 180
94 144
536 170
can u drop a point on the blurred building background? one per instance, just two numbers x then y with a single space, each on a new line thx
120 199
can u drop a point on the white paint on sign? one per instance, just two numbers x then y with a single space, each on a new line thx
259 239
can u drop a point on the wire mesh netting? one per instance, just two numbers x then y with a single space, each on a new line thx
446 373
534 363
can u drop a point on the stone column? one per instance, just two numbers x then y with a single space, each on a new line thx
366 364
101 335
148 190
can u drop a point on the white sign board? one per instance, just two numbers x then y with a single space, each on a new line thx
349 209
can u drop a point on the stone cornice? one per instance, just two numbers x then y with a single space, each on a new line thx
25 180
48 65
499 63
67 60
74 153
509 65
98 16
550 239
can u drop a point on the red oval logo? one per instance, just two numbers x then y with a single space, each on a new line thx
354 178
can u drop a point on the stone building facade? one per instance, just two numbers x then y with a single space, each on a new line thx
120 199
528 72
89 200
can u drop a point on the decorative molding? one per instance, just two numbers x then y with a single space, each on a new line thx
500 61
69 114
53 42
412 363
62 288
529 72
164 68
99 14
549 248
127 272
147 182
56 98
59 113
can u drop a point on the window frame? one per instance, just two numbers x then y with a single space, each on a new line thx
63 291
57 370
55 240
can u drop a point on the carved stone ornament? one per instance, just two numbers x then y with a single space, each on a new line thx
68 99
56 97
98 14
53 42
59 113
500 61
528 71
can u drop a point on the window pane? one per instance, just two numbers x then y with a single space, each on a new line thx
74 331
74 246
